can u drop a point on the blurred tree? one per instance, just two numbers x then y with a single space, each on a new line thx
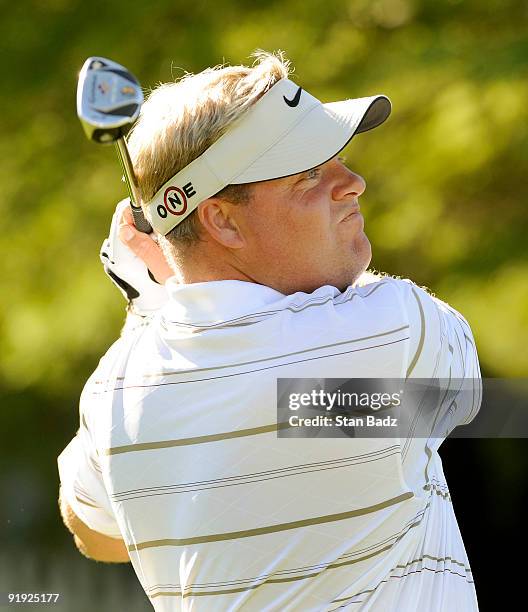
445 175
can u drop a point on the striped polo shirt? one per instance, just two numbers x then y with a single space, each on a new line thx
178 454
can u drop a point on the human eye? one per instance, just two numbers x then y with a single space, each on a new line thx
313 173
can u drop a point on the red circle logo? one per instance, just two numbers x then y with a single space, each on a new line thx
175 201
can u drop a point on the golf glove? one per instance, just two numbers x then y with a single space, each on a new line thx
129 273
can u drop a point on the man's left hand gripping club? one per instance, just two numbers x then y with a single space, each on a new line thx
135 263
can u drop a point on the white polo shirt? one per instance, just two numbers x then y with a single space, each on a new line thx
178 454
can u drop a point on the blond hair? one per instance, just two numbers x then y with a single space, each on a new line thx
180 120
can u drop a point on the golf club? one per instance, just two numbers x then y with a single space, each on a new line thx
109 99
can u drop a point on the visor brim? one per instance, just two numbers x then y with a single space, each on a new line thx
321 134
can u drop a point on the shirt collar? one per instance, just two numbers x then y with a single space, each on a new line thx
217 301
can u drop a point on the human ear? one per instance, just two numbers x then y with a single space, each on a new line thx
217 220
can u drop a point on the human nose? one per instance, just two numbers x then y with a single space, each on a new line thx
348 184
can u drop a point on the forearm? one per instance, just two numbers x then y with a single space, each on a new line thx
90 543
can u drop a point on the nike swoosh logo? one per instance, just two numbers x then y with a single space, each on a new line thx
295 100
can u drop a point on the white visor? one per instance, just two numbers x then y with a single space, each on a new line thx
286 132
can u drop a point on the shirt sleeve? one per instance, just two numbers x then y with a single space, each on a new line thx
82 485
442 349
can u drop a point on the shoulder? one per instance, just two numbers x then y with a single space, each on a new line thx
109 376
425 309
441 340
393 294
420 304
440 337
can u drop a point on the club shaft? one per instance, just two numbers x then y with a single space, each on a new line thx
130 178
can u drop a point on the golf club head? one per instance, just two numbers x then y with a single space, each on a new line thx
109 99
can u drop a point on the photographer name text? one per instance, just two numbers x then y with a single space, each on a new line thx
342 421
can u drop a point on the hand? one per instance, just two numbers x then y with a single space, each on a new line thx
145 247
135 263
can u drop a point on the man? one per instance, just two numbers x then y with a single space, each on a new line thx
177 464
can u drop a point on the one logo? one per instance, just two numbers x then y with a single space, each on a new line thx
127 90
295 100
175 200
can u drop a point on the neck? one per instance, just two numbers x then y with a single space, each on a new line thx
200 264
186 275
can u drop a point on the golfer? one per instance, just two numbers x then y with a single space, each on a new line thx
178 465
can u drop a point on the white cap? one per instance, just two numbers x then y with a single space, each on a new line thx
286 132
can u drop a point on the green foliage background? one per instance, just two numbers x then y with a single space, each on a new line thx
446 175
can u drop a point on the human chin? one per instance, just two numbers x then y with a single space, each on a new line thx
362 248
361 258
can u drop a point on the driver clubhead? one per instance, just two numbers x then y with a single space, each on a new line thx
109 99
